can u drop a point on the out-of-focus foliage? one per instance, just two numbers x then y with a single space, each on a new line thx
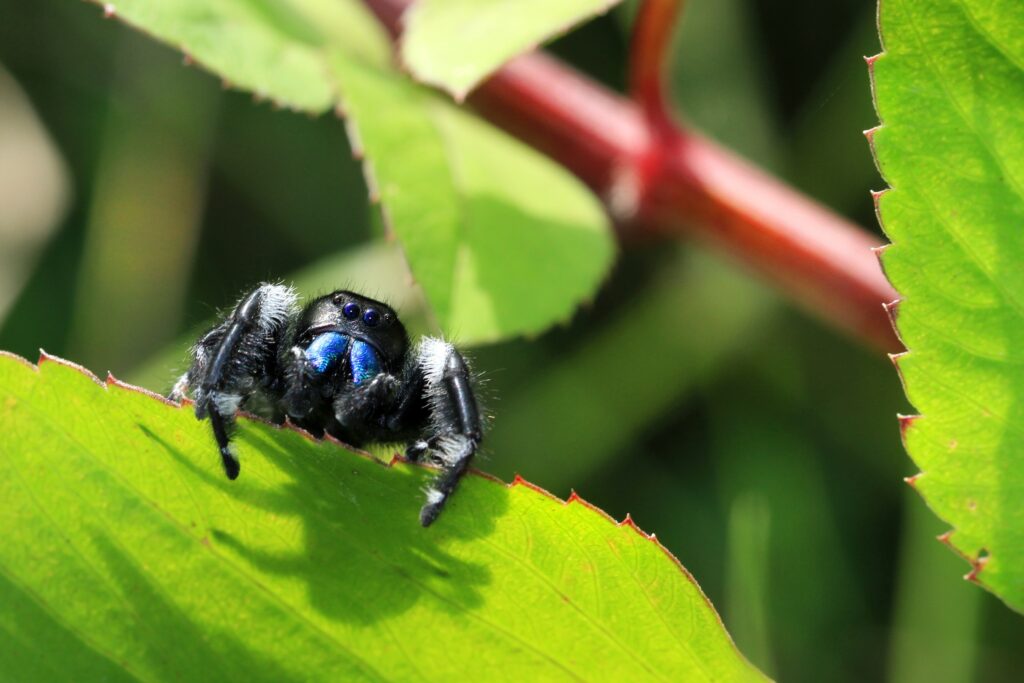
483 220
33 188
768 465
455 44
128 555
950 94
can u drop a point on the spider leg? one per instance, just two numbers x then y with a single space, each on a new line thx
415 451
365 405
456 420
220 424
231 358
299 391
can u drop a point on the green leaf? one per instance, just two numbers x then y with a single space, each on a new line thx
949 89
455 44
127 554
508 242
485 222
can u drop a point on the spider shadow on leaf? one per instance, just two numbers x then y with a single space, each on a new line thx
168 643
362 556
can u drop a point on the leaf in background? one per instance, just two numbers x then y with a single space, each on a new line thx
483 220
949 88
127 554
455 44
509 241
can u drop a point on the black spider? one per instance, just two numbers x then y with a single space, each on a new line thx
342 365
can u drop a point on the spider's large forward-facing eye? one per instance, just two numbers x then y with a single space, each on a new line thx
371 317
350 310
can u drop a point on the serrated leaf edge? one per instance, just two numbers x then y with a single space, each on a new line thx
906 422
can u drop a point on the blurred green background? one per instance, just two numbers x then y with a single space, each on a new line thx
137 197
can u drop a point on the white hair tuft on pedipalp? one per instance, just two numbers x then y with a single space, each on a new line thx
277 303
433 355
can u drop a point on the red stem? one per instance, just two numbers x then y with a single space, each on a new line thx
670 181
648 55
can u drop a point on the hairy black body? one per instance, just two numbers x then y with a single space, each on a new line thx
342 365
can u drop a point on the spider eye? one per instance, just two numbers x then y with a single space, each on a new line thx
350 310
371 317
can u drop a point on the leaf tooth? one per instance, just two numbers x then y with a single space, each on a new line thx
946 539
906 422
896 359
977 565
355 142
519 481
870 135
45 357
892 309
628 522
124 386
870 61
876 197
912 479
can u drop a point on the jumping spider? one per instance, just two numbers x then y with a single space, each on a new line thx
342 365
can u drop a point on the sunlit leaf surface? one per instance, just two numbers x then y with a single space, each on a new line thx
456 43
484 221
950 94
127 554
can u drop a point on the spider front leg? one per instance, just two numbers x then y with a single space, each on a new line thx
455 421
300 389
230 361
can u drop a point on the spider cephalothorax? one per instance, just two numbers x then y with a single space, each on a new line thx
342 365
